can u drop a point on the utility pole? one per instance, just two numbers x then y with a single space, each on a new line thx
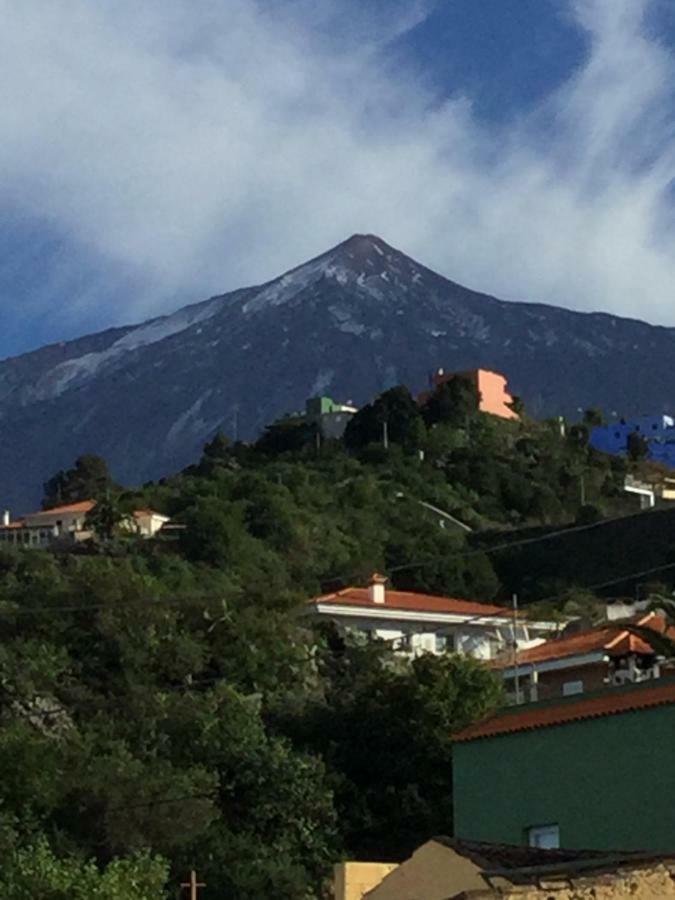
194 885
516 675
385 434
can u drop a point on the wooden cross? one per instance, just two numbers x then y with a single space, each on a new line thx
193 884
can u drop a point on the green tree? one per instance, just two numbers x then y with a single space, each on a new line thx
593 417
105 518
394 414
453 402
637 447
218 448
291 434
88 479
385 727
35 872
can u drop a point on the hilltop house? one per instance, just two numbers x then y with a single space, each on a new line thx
331 418
491 387
67 523
608 655
658 432
415 623
592 771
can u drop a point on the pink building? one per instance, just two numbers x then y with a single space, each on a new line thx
491 387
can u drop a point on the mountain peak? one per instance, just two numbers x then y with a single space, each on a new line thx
358 248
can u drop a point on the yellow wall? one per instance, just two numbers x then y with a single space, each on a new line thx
354 879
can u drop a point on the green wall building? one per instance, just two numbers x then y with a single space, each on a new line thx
591 772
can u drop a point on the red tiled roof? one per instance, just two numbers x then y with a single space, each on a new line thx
84 506
610 703
407 600
613 638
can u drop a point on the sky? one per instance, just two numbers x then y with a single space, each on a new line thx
154 154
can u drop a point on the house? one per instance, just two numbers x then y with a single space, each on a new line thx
414 623
451 869
658 432
145 522
592 771
40 529
491 387
589 660
67 523
331 418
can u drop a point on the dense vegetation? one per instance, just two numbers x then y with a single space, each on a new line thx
164 704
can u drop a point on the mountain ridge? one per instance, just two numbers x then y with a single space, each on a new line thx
351 321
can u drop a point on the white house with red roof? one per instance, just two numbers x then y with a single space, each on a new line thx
416 623
68 523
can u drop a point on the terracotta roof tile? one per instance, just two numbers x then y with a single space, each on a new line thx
613 638
610 703
84 506
407 600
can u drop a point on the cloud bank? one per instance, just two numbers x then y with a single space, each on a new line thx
191 148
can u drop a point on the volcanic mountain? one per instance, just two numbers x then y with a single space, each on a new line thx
352 322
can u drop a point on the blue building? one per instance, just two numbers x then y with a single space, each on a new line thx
658 431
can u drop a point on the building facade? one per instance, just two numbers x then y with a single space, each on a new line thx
67 523
491 387
590 772
609 655
43 528
658 432
422 623
331 418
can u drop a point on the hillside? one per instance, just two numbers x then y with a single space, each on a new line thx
150 682
357 319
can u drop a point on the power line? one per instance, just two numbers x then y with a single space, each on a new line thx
509 545
459 554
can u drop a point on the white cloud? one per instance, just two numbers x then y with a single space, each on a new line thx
199 147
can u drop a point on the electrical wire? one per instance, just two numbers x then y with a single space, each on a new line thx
460 554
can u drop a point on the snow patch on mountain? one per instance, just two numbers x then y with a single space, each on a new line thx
74 371
190 420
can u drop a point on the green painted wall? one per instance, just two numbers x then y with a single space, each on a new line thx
609 783
318 406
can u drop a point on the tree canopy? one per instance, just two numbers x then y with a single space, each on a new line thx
165 703
89 478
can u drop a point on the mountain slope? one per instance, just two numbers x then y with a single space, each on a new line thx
351 322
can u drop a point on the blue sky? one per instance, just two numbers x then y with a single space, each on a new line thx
154 154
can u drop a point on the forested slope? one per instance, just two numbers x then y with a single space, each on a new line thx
165 705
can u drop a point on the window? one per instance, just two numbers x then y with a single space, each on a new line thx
546 837
572 687
444 643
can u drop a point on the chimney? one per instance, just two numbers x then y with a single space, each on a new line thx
5 517
376 589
